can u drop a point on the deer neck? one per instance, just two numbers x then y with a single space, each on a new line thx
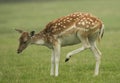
37 39
42 38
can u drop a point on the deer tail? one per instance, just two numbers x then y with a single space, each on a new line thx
101 32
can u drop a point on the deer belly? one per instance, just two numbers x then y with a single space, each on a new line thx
69 39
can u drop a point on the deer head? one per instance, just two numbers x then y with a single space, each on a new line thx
24 39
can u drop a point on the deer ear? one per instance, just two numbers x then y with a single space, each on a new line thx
32 33
18 30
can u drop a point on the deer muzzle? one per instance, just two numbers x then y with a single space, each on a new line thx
19 51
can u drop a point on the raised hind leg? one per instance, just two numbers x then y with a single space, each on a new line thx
85 45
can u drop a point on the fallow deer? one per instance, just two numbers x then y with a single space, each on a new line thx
68 30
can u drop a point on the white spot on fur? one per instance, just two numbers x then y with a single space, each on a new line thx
74 15
91 20
68 20
87 26
93 23
64 22
79 22
64 26
77 18
84 18
58 23
83 23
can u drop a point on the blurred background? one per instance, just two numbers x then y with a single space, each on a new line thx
34 15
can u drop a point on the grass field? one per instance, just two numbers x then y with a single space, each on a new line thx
33 65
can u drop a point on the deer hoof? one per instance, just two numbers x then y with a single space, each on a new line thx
67 59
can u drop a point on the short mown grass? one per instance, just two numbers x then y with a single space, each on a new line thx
33 65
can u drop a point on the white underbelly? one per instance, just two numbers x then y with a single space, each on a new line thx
69 39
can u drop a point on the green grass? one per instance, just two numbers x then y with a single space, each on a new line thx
33 65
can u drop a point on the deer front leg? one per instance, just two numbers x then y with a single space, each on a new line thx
52 63
57 57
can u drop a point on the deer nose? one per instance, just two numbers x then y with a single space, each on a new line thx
19 51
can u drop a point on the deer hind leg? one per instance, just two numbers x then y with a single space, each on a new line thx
85 45
95 51
97 55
